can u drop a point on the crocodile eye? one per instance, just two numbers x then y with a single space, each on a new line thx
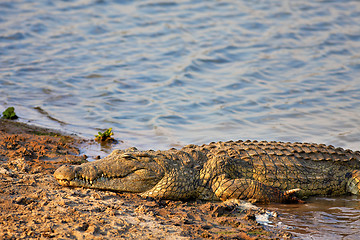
126 155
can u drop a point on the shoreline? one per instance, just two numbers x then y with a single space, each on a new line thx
34 205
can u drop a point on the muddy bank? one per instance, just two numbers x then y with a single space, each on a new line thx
33 205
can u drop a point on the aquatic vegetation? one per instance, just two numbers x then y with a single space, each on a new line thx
9 113
104 136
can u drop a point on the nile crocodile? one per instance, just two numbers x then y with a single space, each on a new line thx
259 171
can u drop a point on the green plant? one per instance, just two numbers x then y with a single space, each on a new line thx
9 113
105 136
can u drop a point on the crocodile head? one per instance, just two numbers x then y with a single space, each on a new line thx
126 172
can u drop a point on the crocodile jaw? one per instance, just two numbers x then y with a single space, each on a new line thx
120 175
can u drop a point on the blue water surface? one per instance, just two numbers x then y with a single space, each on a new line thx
169 73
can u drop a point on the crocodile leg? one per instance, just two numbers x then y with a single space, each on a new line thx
353 184
173 186
226 188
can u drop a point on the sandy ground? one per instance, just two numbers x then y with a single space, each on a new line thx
34 206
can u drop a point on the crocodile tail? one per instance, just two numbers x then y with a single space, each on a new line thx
353 184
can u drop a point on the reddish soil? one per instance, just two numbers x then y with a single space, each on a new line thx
34 206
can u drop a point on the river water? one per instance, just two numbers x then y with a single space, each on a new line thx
328 218
167 73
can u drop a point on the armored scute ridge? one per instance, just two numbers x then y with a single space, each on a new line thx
258 171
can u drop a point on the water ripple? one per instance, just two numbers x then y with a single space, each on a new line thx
167 73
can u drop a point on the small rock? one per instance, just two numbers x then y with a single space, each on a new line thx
83 227
188 221
97 196
141 209
18 164
206 227
250 216
221 210
23 200
92 229
4 171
